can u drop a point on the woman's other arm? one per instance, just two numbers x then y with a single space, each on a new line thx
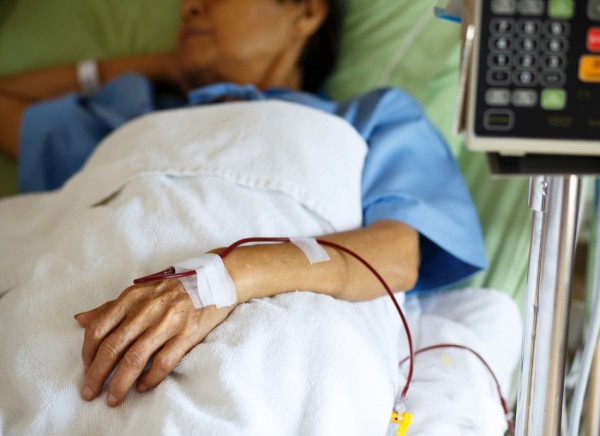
17 92
158 319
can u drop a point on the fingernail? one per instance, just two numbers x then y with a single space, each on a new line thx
111 400
87 393
142 388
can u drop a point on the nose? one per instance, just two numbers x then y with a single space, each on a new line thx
191 8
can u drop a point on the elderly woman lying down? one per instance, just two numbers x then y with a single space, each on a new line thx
235 149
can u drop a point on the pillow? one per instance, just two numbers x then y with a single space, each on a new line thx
52 32
386 43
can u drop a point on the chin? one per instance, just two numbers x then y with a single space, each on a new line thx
195 69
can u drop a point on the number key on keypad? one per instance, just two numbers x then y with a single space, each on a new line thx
530 27
502 26
500 43
525 78
528 44
557 46
526 61
499 60
557 29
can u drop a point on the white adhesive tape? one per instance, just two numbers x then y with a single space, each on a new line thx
211 285
311 249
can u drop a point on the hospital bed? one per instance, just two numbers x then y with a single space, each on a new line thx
386 42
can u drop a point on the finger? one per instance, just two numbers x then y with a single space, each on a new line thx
98 328
138 355
109 351
197 326
84 318
99 325
165 361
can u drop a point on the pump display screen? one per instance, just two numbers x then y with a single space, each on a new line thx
538 70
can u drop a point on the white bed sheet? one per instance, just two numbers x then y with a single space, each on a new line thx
169 186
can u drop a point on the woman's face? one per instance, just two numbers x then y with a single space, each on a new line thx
244 41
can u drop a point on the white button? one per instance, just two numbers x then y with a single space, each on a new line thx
531 7
525 98
504 7
497 97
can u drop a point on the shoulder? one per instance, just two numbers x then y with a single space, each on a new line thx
381 107
379 102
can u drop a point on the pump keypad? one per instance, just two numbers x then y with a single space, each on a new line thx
537 59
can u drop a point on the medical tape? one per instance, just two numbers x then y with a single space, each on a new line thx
211 285
311 249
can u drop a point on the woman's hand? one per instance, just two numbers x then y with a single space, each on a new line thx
155 321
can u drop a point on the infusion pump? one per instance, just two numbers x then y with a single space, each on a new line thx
534 85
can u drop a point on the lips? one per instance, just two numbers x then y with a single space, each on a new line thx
193 32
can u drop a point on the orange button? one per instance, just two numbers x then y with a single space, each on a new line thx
589 68
593 39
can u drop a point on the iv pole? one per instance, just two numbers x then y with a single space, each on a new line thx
554 201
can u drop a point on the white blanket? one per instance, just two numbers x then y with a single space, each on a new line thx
169 186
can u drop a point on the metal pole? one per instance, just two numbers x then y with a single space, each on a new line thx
593 414
554 201
593 418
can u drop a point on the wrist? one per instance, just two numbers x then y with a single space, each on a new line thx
264 270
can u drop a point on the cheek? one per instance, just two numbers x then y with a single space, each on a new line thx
255 38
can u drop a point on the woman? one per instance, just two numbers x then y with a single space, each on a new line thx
419 230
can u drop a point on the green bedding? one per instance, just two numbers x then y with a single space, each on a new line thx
386 42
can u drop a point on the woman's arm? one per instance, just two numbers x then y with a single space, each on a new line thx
269 269
159 319
21 90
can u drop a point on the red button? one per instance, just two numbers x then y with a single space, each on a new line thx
593 40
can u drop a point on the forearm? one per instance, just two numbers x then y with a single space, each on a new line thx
269 269
52 82
12 114
19 91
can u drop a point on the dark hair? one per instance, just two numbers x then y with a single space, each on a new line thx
320 55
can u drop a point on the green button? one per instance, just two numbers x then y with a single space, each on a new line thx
561 9
554 99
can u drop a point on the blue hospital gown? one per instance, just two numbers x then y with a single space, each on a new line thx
409 174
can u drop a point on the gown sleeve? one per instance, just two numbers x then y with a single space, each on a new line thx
57 136
411 176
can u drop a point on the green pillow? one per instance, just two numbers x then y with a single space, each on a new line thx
386 42
37 33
